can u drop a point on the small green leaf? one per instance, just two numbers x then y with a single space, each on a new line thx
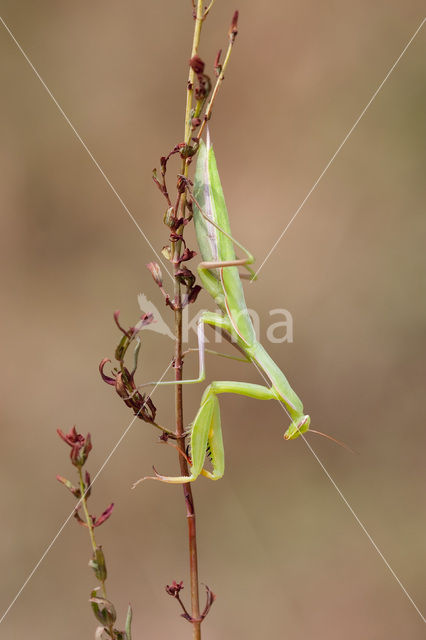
129 623
169 217
104 610
166 252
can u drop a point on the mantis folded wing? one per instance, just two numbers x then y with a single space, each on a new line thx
221 279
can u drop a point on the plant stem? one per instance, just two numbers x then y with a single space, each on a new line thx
189 502
191 77
91 528
89 522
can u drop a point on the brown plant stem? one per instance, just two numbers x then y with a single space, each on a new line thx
187 491
199 15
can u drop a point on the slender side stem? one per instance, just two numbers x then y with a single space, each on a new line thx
91 529
208 8
189 502
88 520
216 87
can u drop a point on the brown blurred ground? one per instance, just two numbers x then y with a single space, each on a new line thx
277 544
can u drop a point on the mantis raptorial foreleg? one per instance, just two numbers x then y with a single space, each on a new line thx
206 431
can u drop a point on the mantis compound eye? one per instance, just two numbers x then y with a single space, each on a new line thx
297 427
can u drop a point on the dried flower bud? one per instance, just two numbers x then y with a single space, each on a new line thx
88 485
209 601
80 446
97 563
217 65
149 410
145 320
233 29
86 449
187 151
116 316
175 588
79 518
193 294
186 277
166 252
74 490
105 378
95 522
103 517
188 254
155 271
125 386
197 65
169 217
103 609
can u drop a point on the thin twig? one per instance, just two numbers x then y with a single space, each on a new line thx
206 12
89 522
221 77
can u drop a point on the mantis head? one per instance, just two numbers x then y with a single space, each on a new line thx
297 427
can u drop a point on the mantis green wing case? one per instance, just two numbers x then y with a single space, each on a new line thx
216 245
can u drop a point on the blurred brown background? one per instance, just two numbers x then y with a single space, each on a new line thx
277 544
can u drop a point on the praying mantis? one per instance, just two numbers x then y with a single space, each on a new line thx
220 277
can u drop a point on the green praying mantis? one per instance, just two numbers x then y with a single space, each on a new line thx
220 277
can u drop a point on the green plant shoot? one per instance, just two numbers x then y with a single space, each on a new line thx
220 277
